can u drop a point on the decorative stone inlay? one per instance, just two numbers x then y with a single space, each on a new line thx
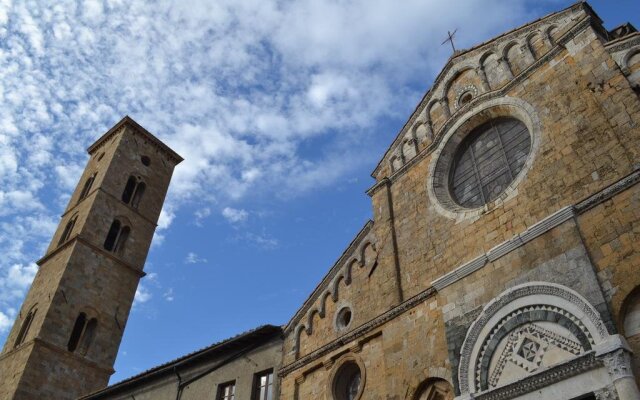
581 364
464 90
527 290
530 351
526 347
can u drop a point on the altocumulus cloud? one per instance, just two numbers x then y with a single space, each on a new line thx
235 86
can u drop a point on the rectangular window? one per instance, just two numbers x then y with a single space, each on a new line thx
227 391
264 386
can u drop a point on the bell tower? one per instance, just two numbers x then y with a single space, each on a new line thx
65 339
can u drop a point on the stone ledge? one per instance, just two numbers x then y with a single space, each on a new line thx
536 230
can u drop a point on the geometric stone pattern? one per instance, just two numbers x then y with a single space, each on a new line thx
526 347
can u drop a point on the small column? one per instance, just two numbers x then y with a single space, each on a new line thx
527 53
429 133
618 364
483 78
445 107
506 66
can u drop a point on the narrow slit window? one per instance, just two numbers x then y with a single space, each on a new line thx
87 187
137 196
129 188
110 241
67 230
24 329
76 333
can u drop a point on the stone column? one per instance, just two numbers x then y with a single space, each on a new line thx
429 133
618 364
483 78
445 107
527 53
506 67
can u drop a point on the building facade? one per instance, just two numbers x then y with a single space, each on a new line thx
243 367
502 260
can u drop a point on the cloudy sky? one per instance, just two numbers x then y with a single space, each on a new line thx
281 109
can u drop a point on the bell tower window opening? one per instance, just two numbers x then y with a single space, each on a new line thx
129 188
137 196
87 187
67 230
76 333
116 237
133 191
88 335
24 329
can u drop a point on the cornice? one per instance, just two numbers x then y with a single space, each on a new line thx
623 43
503 91
59 350
128 206
579 365
137 128
358 332
536 230
78 238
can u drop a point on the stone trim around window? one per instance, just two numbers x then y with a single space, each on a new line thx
438 179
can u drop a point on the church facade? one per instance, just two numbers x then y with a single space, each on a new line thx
502 260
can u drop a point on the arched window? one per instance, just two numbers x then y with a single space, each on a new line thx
122 239
112 235
117 237
137 196
76 333
24 329
82 334
88 335
133 191
68 229
87 187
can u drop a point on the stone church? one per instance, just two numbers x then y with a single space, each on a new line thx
502 261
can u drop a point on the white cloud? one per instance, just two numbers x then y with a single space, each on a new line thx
240 88
168 295
193 258
234 215
142 295
6 321
263 240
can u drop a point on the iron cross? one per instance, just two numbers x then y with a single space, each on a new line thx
450 39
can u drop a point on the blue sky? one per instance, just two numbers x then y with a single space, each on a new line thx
281 110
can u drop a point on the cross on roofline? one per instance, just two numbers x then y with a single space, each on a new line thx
450 39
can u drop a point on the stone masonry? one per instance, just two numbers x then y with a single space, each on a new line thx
42 359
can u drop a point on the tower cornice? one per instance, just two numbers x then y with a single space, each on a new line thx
128 122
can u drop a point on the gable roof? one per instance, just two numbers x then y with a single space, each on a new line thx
250 339
460 54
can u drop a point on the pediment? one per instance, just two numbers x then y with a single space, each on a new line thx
472 75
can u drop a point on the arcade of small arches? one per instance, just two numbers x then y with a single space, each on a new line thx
457 88
365 256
